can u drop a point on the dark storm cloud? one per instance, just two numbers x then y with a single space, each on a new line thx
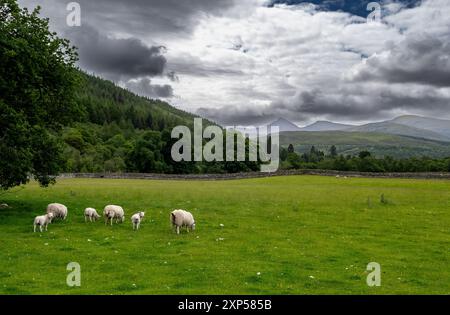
144 87
138 17
116 58
162 16
154 16
423 60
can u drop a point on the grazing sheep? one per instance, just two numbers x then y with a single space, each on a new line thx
136 220
90 213
110 212
58 210
4 206
180 218
43 220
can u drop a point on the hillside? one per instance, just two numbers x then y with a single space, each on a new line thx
106 102
353 142
399 129
436 125
122 132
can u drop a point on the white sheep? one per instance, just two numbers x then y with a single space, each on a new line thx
180 218
90 213
58 210
111 211
136 219
43 220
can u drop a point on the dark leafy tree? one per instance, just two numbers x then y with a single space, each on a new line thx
364 154
333 151
37 85
290 148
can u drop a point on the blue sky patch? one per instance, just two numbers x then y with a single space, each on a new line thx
350 6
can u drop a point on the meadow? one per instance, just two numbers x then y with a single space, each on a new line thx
278 235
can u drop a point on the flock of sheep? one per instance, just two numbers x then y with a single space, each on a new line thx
178 218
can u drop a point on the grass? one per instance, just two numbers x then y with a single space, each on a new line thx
281 235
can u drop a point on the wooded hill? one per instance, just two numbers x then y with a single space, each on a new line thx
120 131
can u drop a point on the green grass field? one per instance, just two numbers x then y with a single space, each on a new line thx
281 235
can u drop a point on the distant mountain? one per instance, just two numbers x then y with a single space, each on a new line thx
410 126
284 125
351 143
402 137
325 126
389 127
439 126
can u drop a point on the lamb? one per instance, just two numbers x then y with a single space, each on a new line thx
90 213
180 218
43 220
111 211
136 220
58 210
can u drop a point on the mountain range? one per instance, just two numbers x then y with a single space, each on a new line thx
410 126
404 136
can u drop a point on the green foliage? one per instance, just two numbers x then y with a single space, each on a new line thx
364 154
333 151
290 148
145 155
363 162
37 84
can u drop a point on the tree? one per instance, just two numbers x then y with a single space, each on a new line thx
145 155
333 151
37 84
290 148
283 154
364 154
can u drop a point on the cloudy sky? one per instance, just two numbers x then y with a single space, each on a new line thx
243 62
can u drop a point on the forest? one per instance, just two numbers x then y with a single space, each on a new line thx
363 162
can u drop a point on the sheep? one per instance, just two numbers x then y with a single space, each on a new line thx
180 218
4 206
43 220
136 220
111 211
90 213
58 210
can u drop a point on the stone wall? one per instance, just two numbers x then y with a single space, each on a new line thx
254 175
